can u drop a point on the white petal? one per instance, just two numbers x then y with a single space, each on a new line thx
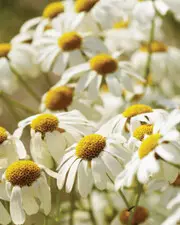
93 89
113 85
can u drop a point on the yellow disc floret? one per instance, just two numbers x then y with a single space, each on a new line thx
4 49
53 9
155 46
45 123
23 173
137 109
103 64
121 24
148 145
59 98
70 41
140 216
3 135
84 5
142 130
90 146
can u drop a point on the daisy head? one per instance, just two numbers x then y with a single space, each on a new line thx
64 45
51 134
101 68
95 160
64 98
11 148
25 184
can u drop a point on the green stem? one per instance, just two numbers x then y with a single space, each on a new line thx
149 59
140 188
26 86
124 199
45 220
71 220
20 105
93 220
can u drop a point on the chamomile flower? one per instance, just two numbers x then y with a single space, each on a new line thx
64 98
155 154
92 160
38 25
51 134
11 149
102 67
25 184
165 61
64 45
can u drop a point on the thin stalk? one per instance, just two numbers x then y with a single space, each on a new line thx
20 105
45 220
71 220
26 86
93 220
140 188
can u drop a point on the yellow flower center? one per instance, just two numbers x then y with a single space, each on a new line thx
90 146
148 145
140 132
137 109
3 135
53 9
176 183
84 5
22 173
103 64
154 47
70 41
4 49
45 123
140 216
59 98
121 24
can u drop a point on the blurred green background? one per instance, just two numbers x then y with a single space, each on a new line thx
13 13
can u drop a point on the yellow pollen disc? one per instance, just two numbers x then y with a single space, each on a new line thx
121 24
103 64
4 49
53 9
137 109
90 146
22 173
177 181
140 216
70 41
3 135
140 132
148 145
59 98
154 47
45 123
84 5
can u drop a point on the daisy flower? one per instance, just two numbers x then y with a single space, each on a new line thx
11 149
64 98
38 25
165 61
102 67
25 184
51 134
158 152
93 160
64 45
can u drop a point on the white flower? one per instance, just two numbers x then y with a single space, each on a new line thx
157 153
64 46
52 134
11 149
165 62
102 67
25 184
94 160
64 98
38 25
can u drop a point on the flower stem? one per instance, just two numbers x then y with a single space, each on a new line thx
45 220
26 86
140 188
72 200
91 212
124 199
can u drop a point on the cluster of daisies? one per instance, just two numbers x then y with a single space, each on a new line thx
101 144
